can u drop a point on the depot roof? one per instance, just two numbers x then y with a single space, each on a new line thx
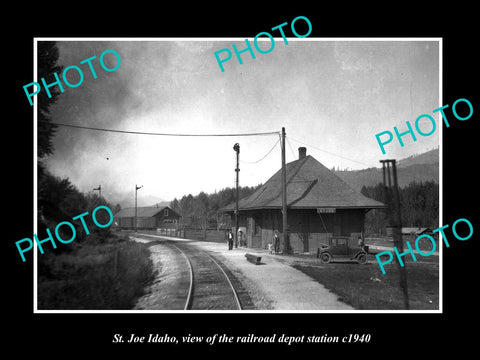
309 185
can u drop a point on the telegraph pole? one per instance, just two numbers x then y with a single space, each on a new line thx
286 245
236 147
136 188
392 198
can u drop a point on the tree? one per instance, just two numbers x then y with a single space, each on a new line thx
47 65
200 209
418 201
117 208
175 205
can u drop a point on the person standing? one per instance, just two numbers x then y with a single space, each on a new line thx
240 238
230 240
361 242
276 242
227 233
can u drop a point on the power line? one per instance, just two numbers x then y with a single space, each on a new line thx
155 133
254 162
399 170
330 153
290 146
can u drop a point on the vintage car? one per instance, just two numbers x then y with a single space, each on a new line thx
342 247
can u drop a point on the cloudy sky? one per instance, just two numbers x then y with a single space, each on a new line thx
331 96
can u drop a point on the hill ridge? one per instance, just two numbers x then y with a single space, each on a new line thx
420 168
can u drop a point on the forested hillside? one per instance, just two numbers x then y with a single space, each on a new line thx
419 206
201 211
419 168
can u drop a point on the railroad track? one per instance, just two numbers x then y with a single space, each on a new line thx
210 286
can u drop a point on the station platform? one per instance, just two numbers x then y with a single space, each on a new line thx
273 284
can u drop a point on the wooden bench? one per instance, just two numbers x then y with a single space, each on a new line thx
255 259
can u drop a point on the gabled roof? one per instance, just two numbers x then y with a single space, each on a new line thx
143 211
309 185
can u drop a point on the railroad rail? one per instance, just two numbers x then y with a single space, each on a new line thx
188 302
210 286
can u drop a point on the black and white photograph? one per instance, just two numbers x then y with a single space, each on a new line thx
257 182
201 168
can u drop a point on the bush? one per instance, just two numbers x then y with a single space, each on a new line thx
109 275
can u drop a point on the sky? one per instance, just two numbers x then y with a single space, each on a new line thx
331 96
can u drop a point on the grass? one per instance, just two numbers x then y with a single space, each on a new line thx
365 287
111 274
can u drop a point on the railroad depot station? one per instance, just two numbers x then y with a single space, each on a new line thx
320 206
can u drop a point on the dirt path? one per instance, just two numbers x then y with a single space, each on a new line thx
279 284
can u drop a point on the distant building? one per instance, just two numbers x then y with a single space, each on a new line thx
319 206
411 231
148 217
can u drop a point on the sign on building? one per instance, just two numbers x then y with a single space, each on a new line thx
326 210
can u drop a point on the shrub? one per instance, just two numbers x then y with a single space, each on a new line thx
107 275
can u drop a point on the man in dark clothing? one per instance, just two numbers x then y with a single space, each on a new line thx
276 242
230 240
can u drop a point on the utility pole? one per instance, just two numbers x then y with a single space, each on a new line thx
236 147
286 245
394 216
136 188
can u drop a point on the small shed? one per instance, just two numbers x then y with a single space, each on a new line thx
411 231
416 230
148 217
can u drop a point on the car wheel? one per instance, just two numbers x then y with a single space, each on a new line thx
325 257
362 258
